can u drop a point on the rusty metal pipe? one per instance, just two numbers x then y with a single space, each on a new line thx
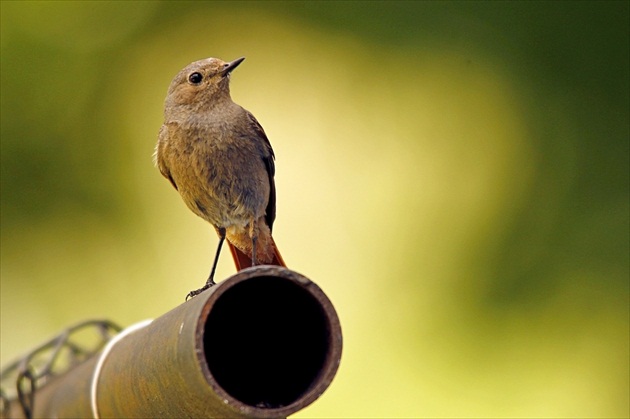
264 343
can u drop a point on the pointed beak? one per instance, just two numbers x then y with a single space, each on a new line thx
231 66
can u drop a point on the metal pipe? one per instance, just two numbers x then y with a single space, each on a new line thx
264 343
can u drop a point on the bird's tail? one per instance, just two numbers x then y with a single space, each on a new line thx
242 261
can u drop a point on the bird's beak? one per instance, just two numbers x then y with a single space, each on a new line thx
231 66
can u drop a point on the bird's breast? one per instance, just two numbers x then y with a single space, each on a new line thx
220 176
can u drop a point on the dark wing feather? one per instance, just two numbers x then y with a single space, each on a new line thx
270 212
170 178
268 158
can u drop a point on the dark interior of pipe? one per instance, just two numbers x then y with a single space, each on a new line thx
266 341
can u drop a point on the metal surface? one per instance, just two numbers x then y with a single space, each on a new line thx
264 343
21 379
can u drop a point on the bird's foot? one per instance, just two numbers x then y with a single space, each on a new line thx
194 293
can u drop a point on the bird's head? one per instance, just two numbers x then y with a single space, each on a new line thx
204 82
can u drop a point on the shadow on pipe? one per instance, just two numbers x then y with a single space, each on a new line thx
264 343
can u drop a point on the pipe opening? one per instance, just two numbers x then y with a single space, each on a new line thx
266 341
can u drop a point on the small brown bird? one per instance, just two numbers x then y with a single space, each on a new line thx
217 156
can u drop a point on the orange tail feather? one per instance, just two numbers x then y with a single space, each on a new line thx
242 261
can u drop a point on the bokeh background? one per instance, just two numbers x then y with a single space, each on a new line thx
454 175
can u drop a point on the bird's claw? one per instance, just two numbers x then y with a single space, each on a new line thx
194 293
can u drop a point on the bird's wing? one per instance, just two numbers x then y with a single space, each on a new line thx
268 158
158 155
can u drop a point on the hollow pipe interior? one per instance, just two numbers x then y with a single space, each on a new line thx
266 341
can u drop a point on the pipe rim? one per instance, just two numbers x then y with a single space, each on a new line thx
332 359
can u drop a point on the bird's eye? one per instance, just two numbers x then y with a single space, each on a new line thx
195 78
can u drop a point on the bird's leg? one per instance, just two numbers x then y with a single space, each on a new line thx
253 234
254 251
210 282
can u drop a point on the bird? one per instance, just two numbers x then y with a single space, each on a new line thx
218 157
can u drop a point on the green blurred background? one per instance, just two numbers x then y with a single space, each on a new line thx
454 175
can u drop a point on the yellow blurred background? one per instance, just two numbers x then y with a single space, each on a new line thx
454 175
